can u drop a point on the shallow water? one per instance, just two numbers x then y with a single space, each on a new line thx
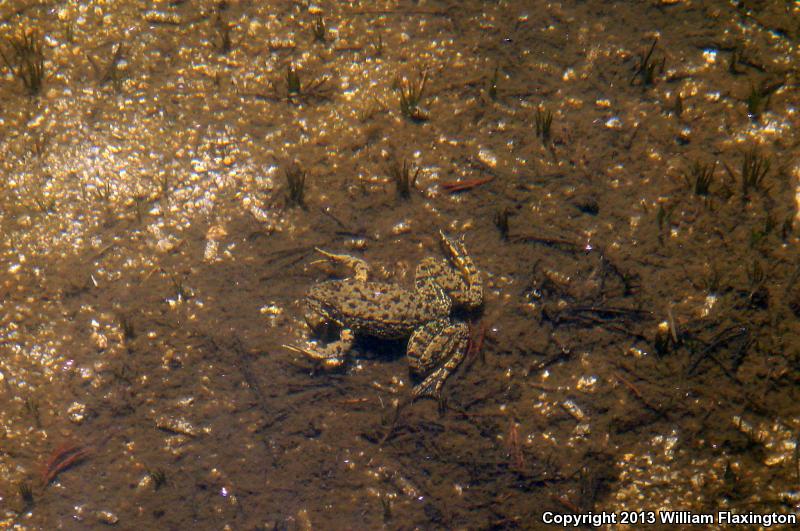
638 346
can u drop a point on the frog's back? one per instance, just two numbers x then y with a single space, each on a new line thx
373 308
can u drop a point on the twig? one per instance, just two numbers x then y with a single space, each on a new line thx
612 311
551 242
549 361
590 319
633 389
722 338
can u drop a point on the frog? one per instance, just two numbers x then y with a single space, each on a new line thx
358 306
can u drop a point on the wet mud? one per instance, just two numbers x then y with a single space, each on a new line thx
624 175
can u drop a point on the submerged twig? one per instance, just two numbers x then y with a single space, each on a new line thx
724 337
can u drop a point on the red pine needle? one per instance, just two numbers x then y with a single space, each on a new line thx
62 458
514 447
460 186
476 336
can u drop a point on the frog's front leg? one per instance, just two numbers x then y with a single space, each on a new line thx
332 355
434 351
360 267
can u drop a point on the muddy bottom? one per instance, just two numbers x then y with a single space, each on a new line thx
624 178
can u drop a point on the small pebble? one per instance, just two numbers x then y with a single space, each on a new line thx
107 517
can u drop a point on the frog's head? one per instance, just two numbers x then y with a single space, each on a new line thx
319 302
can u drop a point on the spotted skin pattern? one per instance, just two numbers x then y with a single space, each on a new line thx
357 306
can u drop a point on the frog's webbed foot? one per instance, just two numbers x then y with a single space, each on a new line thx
360 267
330 356
435 350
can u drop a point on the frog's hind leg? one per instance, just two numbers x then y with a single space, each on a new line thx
332 355
360 267
470 291
434 351
457 276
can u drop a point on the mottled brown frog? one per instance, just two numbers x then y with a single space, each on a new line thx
437 343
